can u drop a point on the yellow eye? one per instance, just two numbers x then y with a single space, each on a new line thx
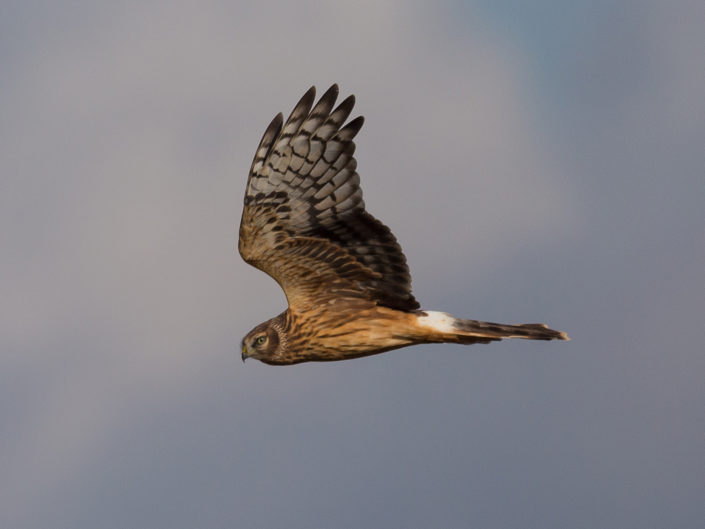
260 340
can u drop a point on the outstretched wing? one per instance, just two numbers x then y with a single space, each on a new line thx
304 221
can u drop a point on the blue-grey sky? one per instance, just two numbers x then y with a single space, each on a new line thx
537 161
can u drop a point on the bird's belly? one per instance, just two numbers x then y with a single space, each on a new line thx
369 332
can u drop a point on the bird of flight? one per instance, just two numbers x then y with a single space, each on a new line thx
344 274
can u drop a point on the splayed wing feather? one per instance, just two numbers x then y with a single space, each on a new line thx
303 184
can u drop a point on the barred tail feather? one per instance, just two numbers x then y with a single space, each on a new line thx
446 328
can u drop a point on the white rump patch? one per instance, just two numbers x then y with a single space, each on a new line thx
439 321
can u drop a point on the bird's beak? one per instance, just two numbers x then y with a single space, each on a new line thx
244 353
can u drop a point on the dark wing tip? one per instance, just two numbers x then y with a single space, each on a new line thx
274 126
309 96
267 141
347 104
273 130
352 128
303 107
342 111
332 91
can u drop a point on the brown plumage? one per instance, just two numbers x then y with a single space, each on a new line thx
344 275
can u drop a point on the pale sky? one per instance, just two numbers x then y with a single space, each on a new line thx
537 163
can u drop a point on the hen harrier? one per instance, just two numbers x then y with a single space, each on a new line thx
344 275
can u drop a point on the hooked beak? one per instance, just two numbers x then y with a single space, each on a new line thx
244 352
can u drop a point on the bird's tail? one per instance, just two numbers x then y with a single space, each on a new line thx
442 327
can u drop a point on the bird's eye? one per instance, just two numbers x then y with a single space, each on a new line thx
260 340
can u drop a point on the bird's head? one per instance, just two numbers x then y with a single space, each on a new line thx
266 342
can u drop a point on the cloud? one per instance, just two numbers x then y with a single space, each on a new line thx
126 136
129 135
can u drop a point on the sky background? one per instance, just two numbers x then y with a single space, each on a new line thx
538 161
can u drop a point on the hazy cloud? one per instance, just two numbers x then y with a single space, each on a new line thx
126 135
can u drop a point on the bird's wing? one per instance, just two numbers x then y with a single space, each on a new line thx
304 221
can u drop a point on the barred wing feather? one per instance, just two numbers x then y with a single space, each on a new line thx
303 183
